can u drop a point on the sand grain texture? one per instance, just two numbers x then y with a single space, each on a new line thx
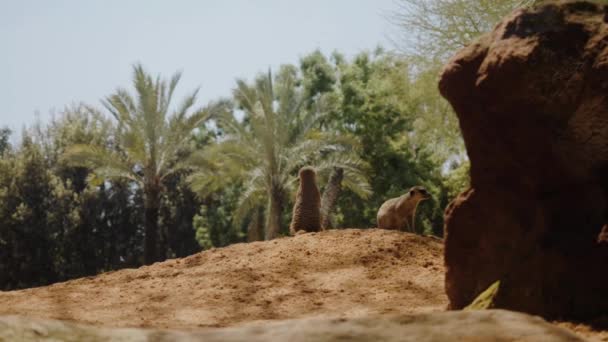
337 273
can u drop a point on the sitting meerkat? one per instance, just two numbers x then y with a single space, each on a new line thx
306 212
399 213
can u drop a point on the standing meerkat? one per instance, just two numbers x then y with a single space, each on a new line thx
306 213
400 213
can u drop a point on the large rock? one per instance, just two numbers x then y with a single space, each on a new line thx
532 100
491 325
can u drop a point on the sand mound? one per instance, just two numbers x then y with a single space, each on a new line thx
338 273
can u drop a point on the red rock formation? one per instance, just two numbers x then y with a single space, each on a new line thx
532 101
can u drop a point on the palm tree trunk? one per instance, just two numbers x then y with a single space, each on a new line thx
274 216
255 229
151 208
330 197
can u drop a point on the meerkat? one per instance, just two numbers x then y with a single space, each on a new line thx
306 212
400 213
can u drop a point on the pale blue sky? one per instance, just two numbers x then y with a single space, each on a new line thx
57 52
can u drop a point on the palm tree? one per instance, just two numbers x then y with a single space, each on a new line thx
265 150
147 140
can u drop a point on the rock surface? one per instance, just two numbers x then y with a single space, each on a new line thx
489 325
532 101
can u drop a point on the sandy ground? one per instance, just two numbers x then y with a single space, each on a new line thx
338 273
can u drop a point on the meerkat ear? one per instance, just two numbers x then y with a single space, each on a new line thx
411 192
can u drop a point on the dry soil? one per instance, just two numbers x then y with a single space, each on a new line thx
337 273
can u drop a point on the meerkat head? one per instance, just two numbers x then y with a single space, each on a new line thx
419 193
307 173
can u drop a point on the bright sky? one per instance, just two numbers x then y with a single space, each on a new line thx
54 53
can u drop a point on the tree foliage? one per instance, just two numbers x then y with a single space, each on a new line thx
5 134
84 194
374 98
147 141
278 135
435 29
428 33
53 226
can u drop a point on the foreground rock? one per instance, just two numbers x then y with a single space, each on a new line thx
532 100
492 325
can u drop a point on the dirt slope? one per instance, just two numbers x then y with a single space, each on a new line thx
339 273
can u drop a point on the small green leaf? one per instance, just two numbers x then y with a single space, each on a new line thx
486 299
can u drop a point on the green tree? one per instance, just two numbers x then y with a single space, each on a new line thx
110 228
53 226
213 225
148 140
5 134
429 32
277 136
458 179
26 198
179 205
376 100
436 29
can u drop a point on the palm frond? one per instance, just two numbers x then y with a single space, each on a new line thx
254 196
218 166
355 178
185 106
103 162
133 144
357 182
122 106
316 145
286 92
176 136
228 123
205 182
245 96
265 92
169 93
276 139
151 119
